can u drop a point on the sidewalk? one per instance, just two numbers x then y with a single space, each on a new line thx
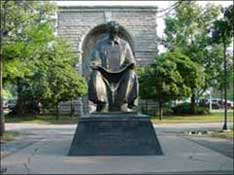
49 155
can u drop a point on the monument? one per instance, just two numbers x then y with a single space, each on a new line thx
115 128
113 85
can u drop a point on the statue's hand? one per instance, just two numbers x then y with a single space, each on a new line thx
129 66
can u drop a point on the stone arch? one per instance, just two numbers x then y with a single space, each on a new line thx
89 42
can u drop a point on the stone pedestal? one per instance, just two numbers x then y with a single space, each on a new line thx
115 134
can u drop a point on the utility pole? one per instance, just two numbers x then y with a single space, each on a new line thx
225 126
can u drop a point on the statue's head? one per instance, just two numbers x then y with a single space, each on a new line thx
113 28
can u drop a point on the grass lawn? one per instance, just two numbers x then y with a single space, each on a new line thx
42 119
210 118
49 119
9 136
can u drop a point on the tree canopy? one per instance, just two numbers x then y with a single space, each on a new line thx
29 28
189 30
39 63
172 76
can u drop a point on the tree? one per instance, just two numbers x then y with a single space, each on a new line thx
188 30
28 29
223 33
60 79
33 54
173 76
53 80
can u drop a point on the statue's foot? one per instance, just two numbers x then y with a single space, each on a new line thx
125 108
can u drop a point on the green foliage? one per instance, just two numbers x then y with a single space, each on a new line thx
223 34
7 95
223 28
193 76
28 30
189 27
54 79
41 119
173 76
41 64
189 31
209 118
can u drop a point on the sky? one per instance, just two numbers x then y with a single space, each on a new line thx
160 4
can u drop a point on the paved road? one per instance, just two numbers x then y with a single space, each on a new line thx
43 149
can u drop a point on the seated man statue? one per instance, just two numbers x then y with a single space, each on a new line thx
113 84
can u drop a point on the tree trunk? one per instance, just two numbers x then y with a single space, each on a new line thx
57 112
146 107
20 100
72 109
193 103
2 119
160 110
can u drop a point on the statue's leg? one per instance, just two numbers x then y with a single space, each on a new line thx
98 91
128 89
133 96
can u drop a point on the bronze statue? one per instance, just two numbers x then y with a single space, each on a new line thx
113 84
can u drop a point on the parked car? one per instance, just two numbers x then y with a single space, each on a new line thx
229 104
216 103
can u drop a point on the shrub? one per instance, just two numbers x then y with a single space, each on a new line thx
185 108
202 110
